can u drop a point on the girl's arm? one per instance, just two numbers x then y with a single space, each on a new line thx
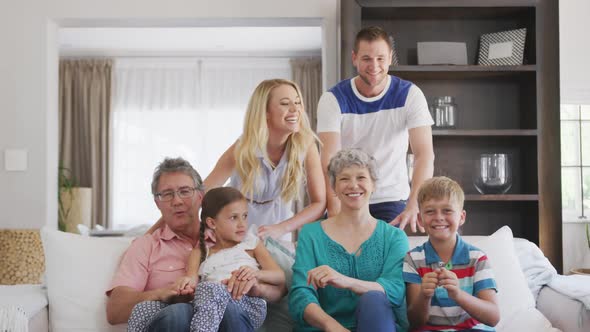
270 272
223 169
194 261
317 195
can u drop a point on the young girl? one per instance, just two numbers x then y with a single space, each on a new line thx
230 273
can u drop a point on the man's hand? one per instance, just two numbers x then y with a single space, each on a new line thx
273 231
171 294
324 275
185 285
448 280
429 283
408 216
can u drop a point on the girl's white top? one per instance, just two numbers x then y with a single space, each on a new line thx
220 265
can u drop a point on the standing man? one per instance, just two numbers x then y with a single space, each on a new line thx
379 113
153 262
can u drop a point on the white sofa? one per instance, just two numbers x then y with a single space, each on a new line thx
79 269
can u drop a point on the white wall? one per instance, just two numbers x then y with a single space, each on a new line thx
574 54
574 62
28 77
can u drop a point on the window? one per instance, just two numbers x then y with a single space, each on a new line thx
575 162
193 108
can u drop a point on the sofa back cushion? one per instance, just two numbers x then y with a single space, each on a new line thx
78 272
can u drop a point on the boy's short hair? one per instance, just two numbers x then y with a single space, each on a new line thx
440 187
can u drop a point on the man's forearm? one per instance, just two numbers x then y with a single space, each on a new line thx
423 170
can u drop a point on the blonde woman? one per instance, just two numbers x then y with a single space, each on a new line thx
275 155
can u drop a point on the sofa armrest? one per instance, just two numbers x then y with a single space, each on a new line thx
563 312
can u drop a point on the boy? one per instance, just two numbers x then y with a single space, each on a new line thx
450 286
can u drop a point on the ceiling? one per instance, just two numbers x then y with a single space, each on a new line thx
202 41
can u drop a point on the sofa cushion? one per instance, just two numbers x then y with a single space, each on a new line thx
527 319
78 272
514 295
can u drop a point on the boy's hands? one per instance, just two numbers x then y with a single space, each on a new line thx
429 283
448 280
441 277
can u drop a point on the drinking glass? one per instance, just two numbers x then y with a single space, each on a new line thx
493 173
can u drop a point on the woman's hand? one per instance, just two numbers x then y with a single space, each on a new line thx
245 273
273 231
238 288
324 275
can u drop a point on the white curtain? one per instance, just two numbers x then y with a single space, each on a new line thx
193 108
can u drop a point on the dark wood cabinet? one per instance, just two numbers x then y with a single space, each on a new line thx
501 109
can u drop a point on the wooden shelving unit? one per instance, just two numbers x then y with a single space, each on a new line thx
501 109
501 197
483 132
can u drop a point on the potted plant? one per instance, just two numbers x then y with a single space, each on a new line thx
74 202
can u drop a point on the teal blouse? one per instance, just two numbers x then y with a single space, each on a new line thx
379 259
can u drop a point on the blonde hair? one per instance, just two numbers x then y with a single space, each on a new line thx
255 138
440 187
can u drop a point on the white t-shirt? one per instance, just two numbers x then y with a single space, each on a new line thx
379 126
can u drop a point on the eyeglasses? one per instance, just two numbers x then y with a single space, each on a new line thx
183 193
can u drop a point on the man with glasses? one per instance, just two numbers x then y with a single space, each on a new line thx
154 261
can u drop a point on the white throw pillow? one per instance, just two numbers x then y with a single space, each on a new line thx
529 319
514 296
78 272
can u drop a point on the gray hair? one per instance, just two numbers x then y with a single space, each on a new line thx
172 165
351 157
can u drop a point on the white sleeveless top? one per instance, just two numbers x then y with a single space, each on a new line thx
266 207
220 265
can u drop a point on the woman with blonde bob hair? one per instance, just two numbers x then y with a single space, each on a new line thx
273 158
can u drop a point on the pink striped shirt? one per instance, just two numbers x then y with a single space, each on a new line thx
153 261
